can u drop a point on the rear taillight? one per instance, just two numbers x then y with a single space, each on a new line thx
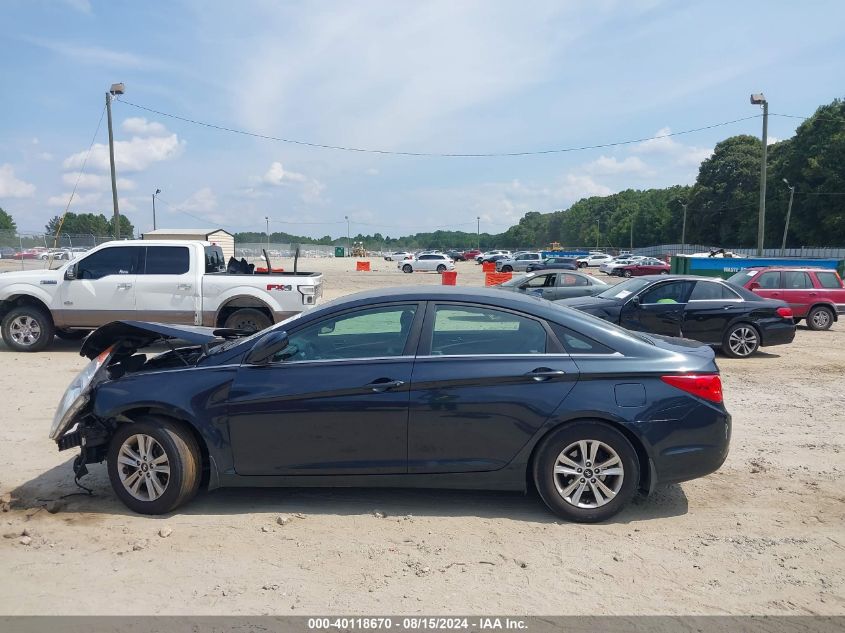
786 313
707 386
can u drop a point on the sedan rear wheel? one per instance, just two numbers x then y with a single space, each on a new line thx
627 273
507 269
586 472
154 465
407 268
820 318
441 269
741 341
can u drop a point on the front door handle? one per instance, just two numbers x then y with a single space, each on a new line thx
184 287
124 286
542 374
383 384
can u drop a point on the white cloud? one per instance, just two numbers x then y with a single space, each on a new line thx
96 181
771 140
133 155
79 200
663 144
612 165
372 171
575 187
83 6
45 156
97 55
201 201
277 175
13 187
310 189
139 126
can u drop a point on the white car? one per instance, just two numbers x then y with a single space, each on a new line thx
483 256
398 256
593 260
608 267
432 262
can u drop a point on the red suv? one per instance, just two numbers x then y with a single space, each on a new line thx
472 254
815 294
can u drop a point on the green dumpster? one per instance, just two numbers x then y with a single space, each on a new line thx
338 251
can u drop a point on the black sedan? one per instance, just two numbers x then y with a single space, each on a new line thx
441 387
553 285
703 309
559 263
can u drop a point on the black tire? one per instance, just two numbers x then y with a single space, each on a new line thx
551 485
507 269
248 319
407 268
628 274
183 458
743 332
25 319
820 318
72 335
582 264
441 269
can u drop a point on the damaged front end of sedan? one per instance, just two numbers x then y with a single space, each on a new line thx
113 353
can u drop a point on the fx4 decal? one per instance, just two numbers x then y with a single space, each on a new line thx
282 287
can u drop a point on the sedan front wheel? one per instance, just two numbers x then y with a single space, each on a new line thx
154 465
587 471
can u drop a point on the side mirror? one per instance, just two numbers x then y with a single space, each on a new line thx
70 273
753 286
635 300
267 346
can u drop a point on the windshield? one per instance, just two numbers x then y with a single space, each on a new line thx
625 289
252 337
739 279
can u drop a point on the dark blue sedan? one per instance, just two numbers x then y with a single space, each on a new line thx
443 387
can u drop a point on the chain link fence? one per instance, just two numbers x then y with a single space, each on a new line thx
21 250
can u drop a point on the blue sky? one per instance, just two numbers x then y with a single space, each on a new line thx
440 76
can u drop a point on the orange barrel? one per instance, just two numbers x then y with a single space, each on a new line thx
449 277
488 267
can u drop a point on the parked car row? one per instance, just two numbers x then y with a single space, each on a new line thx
38 252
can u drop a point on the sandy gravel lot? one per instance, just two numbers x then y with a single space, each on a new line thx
762 535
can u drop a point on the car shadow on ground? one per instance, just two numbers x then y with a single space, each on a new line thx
56 485
58 345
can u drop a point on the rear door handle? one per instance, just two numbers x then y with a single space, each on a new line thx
542 374
124 286
383 384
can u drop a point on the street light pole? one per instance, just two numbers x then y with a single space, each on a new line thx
116 89
631 248
158 191
788 213
478 232
598 234
684 227
267 222
760 99
348 251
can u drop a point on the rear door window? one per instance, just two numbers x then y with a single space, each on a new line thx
712 291
796 280
828 280
469 330
167 260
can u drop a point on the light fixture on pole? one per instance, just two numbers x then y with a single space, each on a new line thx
115 90
158 191
760 99
788 213
346 217
684 226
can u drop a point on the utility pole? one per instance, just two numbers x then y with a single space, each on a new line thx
788 213
158 191
631 248
478 232
684 227
760 99
116 89
267 221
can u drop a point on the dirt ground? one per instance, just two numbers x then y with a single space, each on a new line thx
764 535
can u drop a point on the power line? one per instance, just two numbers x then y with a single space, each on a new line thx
364 150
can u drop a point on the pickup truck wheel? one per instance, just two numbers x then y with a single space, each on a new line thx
407 268
72 335
154 465
27 329
248 319
820 318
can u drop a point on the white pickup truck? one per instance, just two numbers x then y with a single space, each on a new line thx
146 280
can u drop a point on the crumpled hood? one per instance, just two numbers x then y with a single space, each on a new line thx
136 334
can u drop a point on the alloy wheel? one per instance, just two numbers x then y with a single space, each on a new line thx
821 319
143 467
588 474
743 341
25 330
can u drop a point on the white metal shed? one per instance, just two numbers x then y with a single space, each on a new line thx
221 237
